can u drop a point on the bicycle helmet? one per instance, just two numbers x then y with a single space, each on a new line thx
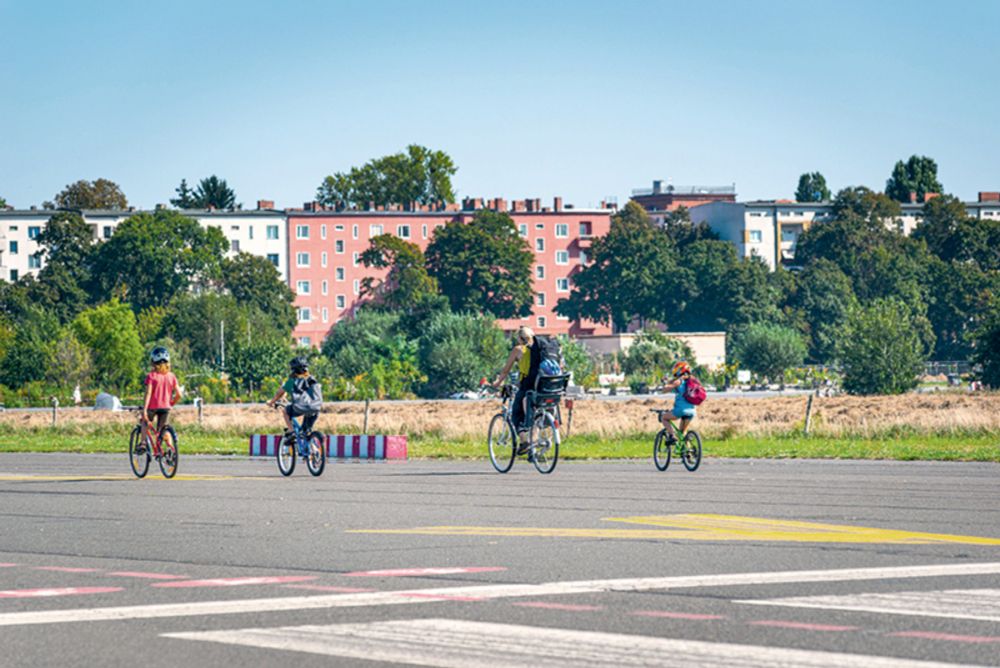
681 368
299 364
159 354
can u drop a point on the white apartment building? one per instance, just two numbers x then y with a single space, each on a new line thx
260 232
770 229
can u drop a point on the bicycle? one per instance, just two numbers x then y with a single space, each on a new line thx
688 447
142 446
308 444
542 448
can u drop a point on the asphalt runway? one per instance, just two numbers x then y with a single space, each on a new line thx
752 563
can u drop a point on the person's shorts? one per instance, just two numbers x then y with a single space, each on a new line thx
308 417
683 412
160 415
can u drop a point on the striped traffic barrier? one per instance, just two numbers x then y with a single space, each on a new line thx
340 446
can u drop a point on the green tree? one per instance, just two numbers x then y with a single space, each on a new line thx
652 355
825 297
952 234
579 361
418 175
63 284
249 364
355 345
483 266
154 256
111 333
880 348
213 192
633 268
185 196
197 319
679 228
916 175
812 188
71 362
99 194
407 282
254 281
987 340
769 350
3 203
29 353
457 350
960 298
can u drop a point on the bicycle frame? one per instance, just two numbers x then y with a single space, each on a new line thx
148 431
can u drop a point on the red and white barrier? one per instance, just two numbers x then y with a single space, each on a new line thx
340 446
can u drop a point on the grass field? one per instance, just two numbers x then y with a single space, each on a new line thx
952 426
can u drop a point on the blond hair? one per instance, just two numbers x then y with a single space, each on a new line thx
162 367
525 334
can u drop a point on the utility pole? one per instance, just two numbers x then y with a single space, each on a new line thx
222 343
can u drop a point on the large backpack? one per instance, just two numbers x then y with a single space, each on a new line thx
694 392
307 396
549 356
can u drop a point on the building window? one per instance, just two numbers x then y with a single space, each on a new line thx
539 271
583 257
357 286
273 257
108 231
423 231
326 315
541 321
322 259
323 287
585 229
13 275
302 287
540 299
13 248
374 230
13 228
562 230
354 231
341 301
756 236
34 231
338 228
562 285
250 232
403 231
272 231
305 315
301 231
234 245
34 261
522 229
539 226
340 273
302 259
539 244
339 246
322 231
562 257
305 340
356 258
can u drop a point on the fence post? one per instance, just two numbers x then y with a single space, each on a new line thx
809 410
198 402
55 409
569 416
365 429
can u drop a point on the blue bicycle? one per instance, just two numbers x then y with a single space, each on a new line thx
308 444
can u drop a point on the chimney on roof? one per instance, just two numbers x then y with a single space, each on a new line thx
557 204
466 204
529 205
500 204
370 206
913 197
657 187
989 196
264 204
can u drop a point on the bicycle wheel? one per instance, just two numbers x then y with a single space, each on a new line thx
661 450
544 443
503 443
285 454
169 456
138 453
691 453
316 461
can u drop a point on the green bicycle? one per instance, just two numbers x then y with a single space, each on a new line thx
688 447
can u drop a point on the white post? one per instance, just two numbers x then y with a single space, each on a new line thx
222 344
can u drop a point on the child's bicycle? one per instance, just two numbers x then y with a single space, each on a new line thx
144 444
309 445
688 446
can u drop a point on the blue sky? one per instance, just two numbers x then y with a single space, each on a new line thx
531 99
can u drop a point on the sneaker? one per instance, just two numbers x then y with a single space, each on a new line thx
289 437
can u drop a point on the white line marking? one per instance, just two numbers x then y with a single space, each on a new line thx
484 592
981 604
56 591
452 643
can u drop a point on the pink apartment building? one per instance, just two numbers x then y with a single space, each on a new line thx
325 245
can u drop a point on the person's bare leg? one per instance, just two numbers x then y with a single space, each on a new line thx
685 423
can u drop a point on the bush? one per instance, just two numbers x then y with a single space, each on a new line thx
880 349
988 350
652 357
767 350
579 361
457 350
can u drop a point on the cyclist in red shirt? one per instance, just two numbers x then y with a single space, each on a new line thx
162 390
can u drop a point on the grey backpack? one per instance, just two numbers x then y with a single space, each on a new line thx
307 397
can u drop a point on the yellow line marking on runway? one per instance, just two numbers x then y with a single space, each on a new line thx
116 477
707 528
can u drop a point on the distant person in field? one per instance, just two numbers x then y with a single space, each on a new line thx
683 409
162 390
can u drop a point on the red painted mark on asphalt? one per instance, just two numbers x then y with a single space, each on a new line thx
413 572
675 615
930 635
7 565
61 591
440 597
146 576
236 582
558 606
802 625
344 590
65 569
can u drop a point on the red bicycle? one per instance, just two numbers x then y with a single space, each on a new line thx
144 444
